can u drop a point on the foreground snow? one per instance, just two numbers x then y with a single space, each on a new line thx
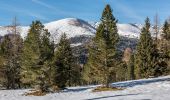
145 89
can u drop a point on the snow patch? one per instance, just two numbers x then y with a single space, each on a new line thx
143 89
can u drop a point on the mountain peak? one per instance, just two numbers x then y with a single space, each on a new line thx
74 27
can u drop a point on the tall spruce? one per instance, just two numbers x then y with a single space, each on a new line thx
47 54
130 68
36 58
31 55
145 61
66 70
101 62
166 38
166 31
10 51
164 49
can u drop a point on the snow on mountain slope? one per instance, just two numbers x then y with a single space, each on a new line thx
143 89
128 30
7 30
73 27
3 30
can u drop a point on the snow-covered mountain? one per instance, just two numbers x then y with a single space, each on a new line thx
129 30
80 33
76 27
72 27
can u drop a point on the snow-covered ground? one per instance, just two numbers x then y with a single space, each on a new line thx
144 89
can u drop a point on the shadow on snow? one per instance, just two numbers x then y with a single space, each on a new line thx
138 82
124 84
104 97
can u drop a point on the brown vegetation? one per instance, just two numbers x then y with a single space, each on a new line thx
103 88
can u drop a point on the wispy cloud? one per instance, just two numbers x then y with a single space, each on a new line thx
57 11
44 4
126 10
38 16
50 7
23 11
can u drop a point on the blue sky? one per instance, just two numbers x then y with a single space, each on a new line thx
126 11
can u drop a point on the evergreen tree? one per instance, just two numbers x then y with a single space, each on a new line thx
66 69
130 68
166 31
31 55
2 69
166 39
10 51
145 61
164 51
121 71
37 55
101 62
47 53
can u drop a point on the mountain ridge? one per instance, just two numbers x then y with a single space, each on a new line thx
76 27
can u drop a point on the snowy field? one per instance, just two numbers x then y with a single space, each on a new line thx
145 89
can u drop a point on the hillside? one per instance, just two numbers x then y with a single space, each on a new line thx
80 33
76 27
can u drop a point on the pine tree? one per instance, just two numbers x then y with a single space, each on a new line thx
66 69
102 52
47 54
166 31
37 56
31 55
130 68
166 39
145 60
11 53
121 71
11 49
2 69
164 51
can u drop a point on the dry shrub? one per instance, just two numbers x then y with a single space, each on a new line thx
103 88
55 89
35 93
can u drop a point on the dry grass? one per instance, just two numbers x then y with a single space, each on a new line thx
103 88
55 89
35 93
